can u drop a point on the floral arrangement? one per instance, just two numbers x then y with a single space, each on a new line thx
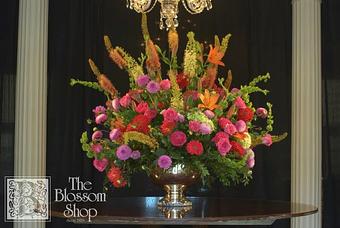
190 116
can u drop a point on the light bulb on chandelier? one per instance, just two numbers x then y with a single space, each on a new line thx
169 9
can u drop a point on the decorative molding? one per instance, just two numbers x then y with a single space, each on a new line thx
306 110
31 93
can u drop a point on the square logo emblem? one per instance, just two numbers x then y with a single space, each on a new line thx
27 199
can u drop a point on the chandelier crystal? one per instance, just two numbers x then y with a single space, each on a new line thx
169 9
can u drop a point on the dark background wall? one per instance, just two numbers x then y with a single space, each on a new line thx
261 43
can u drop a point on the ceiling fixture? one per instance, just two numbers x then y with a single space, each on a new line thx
169 9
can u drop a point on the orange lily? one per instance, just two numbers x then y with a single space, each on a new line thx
209 100
215 56
240 136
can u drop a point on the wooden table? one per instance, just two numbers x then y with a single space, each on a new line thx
205 211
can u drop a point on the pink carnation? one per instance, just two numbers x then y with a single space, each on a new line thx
165 84
267 140
178 138
142 107
100 165
143 80
223 146
99 110
164 162
222 122
150 113
135 154
170 115
230 129
125 101
101 118
194 126
205 129
180 118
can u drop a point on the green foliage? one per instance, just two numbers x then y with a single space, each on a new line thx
92 85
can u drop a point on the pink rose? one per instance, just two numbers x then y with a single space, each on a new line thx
239 103
220 135
97 135
262 112
178 138
101 118
267 140
165 84
230 129
241 126
170 115
115 104
125 101
115 134
194 126
223 146
97 148
142 107
100 165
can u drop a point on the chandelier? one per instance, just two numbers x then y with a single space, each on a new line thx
169 9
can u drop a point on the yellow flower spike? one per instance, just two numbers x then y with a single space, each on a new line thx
141 138
209 100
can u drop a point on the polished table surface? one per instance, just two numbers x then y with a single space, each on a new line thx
205 211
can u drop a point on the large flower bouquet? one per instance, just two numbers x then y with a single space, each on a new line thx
189 116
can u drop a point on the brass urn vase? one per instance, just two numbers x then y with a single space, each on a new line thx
174 181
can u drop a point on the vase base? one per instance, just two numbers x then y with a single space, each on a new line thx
183 202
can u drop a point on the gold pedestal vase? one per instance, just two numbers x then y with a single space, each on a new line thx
174 181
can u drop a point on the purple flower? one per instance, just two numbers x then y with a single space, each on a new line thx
97 148
123 152
97 135
205 129
230 129
101 118
115 104
115 134
135 154
262 112
164 162
223 146
209 114
267 140
165 84
180 118
143 80
241 126
98 110
153 87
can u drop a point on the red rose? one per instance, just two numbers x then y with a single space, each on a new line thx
142 107
150 113
167 127
139 123
237 148
182 80
245 114
194 147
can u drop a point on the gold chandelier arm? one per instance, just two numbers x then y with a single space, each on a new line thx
136 5
202 4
